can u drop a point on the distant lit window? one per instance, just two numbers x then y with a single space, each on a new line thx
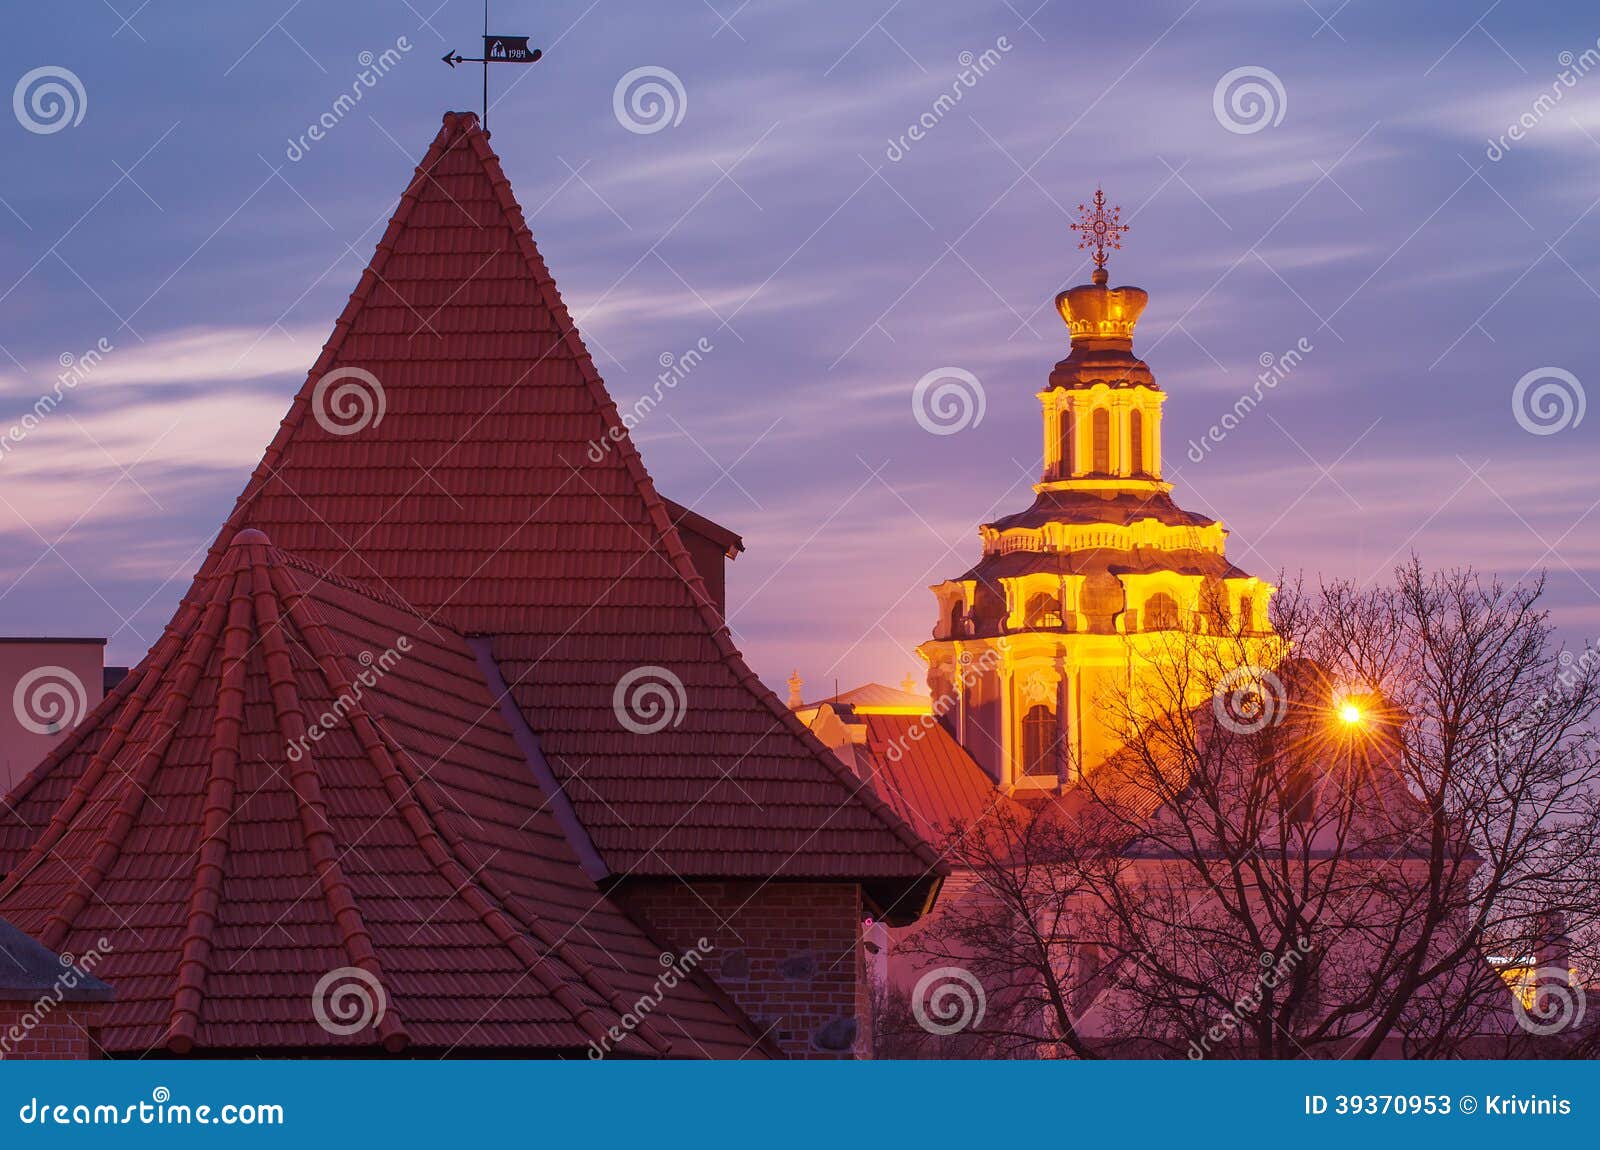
1136 438
1064 443
1101 428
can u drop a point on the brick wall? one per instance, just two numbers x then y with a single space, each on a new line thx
62 1032
789 954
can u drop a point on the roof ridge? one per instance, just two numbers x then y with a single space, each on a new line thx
205 892
144 675
509 904
109 844
405 797
186 675
306 782
672 542
586 970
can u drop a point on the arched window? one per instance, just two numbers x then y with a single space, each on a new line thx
1101 429
1039 742
1136 440
1064 443
1160 612
1043 610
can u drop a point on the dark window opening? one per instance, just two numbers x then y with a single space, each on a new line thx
1043 610
1039 742
1160 612
1064 443
1101 427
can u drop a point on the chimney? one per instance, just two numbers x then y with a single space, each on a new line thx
796 701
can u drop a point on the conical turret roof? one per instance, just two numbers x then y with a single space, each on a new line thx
304 823
455 446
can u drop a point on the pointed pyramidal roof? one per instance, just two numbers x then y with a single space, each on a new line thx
454 446
304 823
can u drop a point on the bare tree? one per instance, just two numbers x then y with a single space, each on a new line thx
1348 838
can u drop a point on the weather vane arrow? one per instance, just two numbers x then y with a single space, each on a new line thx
496 50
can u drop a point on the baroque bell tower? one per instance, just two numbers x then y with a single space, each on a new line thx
1073 592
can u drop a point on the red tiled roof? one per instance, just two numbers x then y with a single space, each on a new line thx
476 499
930 780
231 856
870 695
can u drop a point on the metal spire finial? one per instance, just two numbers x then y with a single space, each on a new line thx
1100 228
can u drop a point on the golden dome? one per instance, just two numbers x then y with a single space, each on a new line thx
1094 312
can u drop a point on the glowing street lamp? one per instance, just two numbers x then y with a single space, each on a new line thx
1350 714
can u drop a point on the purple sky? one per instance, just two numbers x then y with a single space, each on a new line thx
828 278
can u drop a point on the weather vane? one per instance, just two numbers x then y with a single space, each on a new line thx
496 50
1100 228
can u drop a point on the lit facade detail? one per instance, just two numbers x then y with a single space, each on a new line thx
1073 593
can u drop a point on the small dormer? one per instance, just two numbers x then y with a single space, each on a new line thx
711 547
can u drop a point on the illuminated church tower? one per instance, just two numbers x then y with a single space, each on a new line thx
1071 593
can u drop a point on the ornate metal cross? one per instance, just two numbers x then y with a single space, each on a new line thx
1100 228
